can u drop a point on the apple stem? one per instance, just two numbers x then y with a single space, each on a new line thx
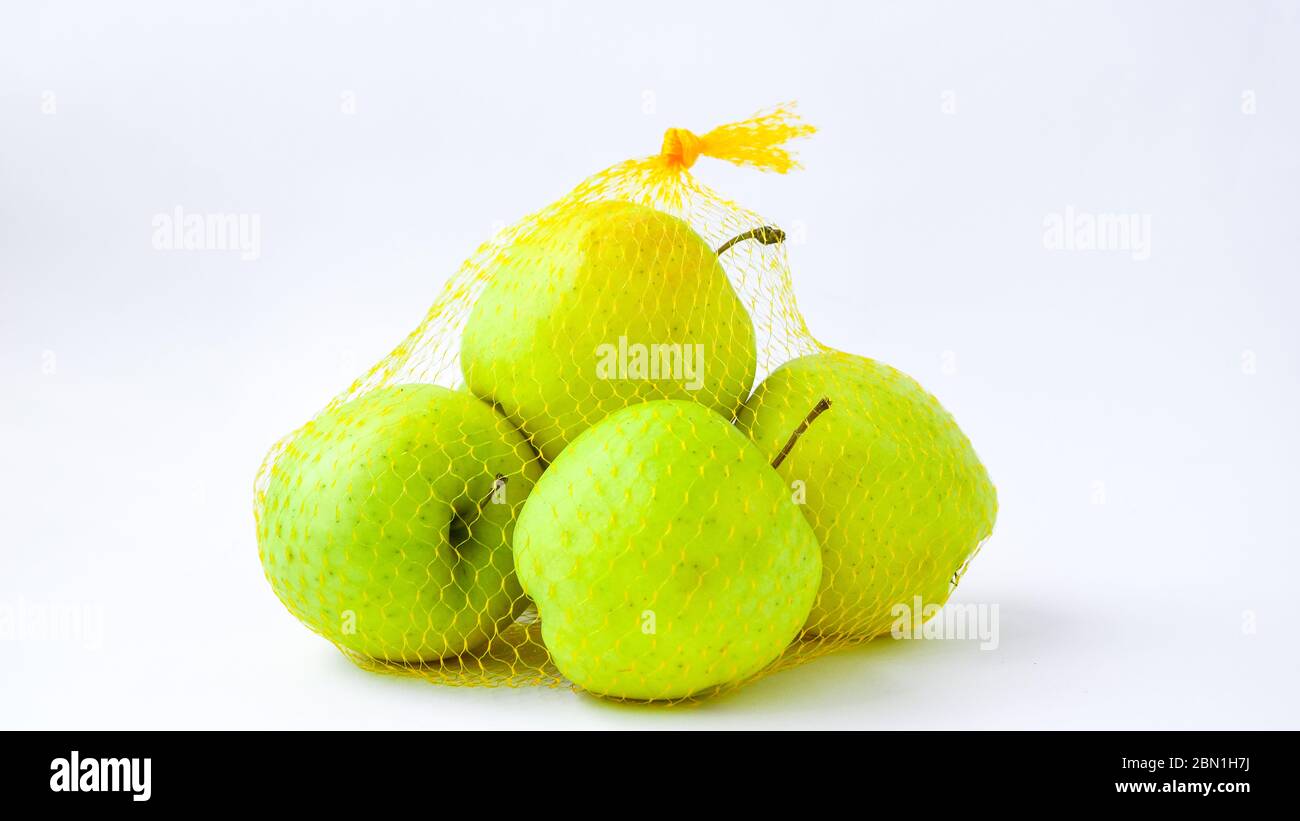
821 407
767 234
497 483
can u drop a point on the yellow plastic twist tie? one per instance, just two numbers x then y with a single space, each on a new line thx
681 146
758 141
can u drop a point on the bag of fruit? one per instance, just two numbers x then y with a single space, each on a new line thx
612 456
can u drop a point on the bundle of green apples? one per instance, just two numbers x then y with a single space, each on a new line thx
609 461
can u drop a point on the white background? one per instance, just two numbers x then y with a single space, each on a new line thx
1139 417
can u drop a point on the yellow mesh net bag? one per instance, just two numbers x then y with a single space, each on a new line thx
613 456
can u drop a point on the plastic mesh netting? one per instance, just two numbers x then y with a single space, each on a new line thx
613 456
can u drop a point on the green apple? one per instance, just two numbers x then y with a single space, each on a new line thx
892 487
607 305
665 555
386 523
